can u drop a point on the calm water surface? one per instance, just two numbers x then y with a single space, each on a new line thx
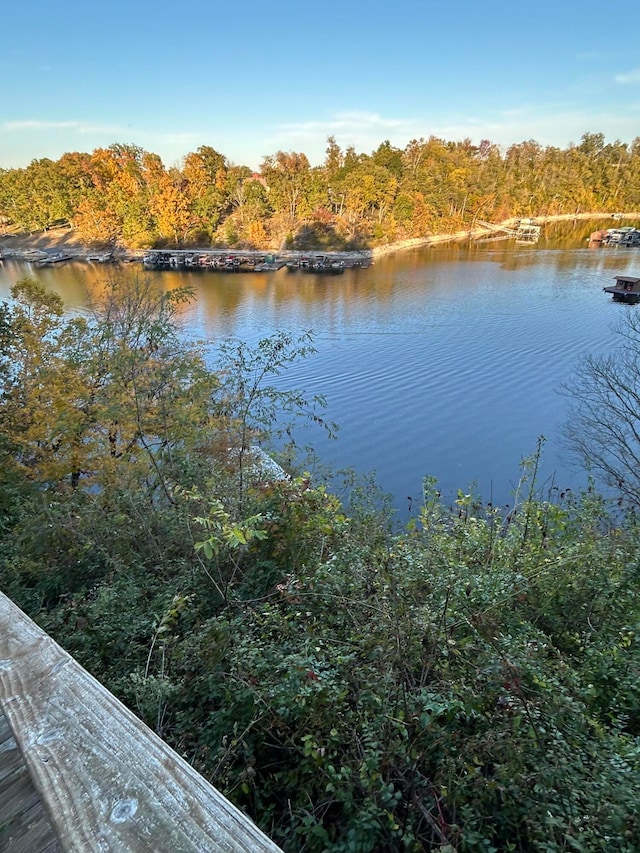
444 361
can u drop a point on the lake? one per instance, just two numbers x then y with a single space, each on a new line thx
444 361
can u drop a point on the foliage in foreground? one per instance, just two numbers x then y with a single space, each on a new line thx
470 684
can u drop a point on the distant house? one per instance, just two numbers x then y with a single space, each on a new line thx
256 176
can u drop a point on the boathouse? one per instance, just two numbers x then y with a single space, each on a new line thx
80 772
626 289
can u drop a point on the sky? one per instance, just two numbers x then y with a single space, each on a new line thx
251 78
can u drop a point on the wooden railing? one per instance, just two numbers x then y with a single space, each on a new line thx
106 781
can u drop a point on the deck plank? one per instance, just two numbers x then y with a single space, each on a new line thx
24 824
106 780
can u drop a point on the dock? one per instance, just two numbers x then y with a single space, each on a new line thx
320 264
51 258
209 260
627 237
250 261
100 258
626 289
525 230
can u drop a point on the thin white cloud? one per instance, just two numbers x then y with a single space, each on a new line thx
34 124
38 125
78 126
362 130
588 55
632 76
353 121
558 126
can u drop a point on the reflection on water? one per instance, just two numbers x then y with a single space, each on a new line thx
444 361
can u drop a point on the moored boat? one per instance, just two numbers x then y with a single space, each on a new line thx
321 264
51 258
100 257
629 237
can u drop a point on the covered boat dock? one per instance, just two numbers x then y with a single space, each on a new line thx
626 289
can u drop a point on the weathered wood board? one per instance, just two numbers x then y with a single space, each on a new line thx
107 782
24 823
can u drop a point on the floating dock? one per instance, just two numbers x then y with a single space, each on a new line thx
626 289
321 264
215 260
51 258
100 258
524 230
628 237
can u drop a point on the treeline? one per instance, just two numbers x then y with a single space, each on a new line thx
469 684
125 195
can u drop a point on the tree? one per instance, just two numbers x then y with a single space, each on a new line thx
288 176
256 410
389 157
603 431
99 402
43 401
333 161
248 199
205 175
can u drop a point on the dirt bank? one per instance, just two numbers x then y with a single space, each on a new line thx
60 239
65 239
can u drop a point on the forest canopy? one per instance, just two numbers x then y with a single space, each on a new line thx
125 195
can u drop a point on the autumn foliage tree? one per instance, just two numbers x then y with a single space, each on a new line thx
123 194
88 400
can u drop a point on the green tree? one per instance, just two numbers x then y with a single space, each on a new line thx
255 409
288 177
44 400
206 175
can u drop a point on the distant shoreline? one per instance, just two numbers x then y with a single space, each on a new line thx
63 239
475 233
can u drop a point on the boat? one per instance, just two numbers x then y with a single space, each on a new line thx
100 258
626 289
50 258
318 264
629 237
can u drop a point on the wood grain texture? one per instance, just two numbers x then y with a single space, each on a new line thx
24 823
106 780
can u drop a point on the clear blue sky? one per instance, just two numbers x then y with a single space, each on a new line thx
250 78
